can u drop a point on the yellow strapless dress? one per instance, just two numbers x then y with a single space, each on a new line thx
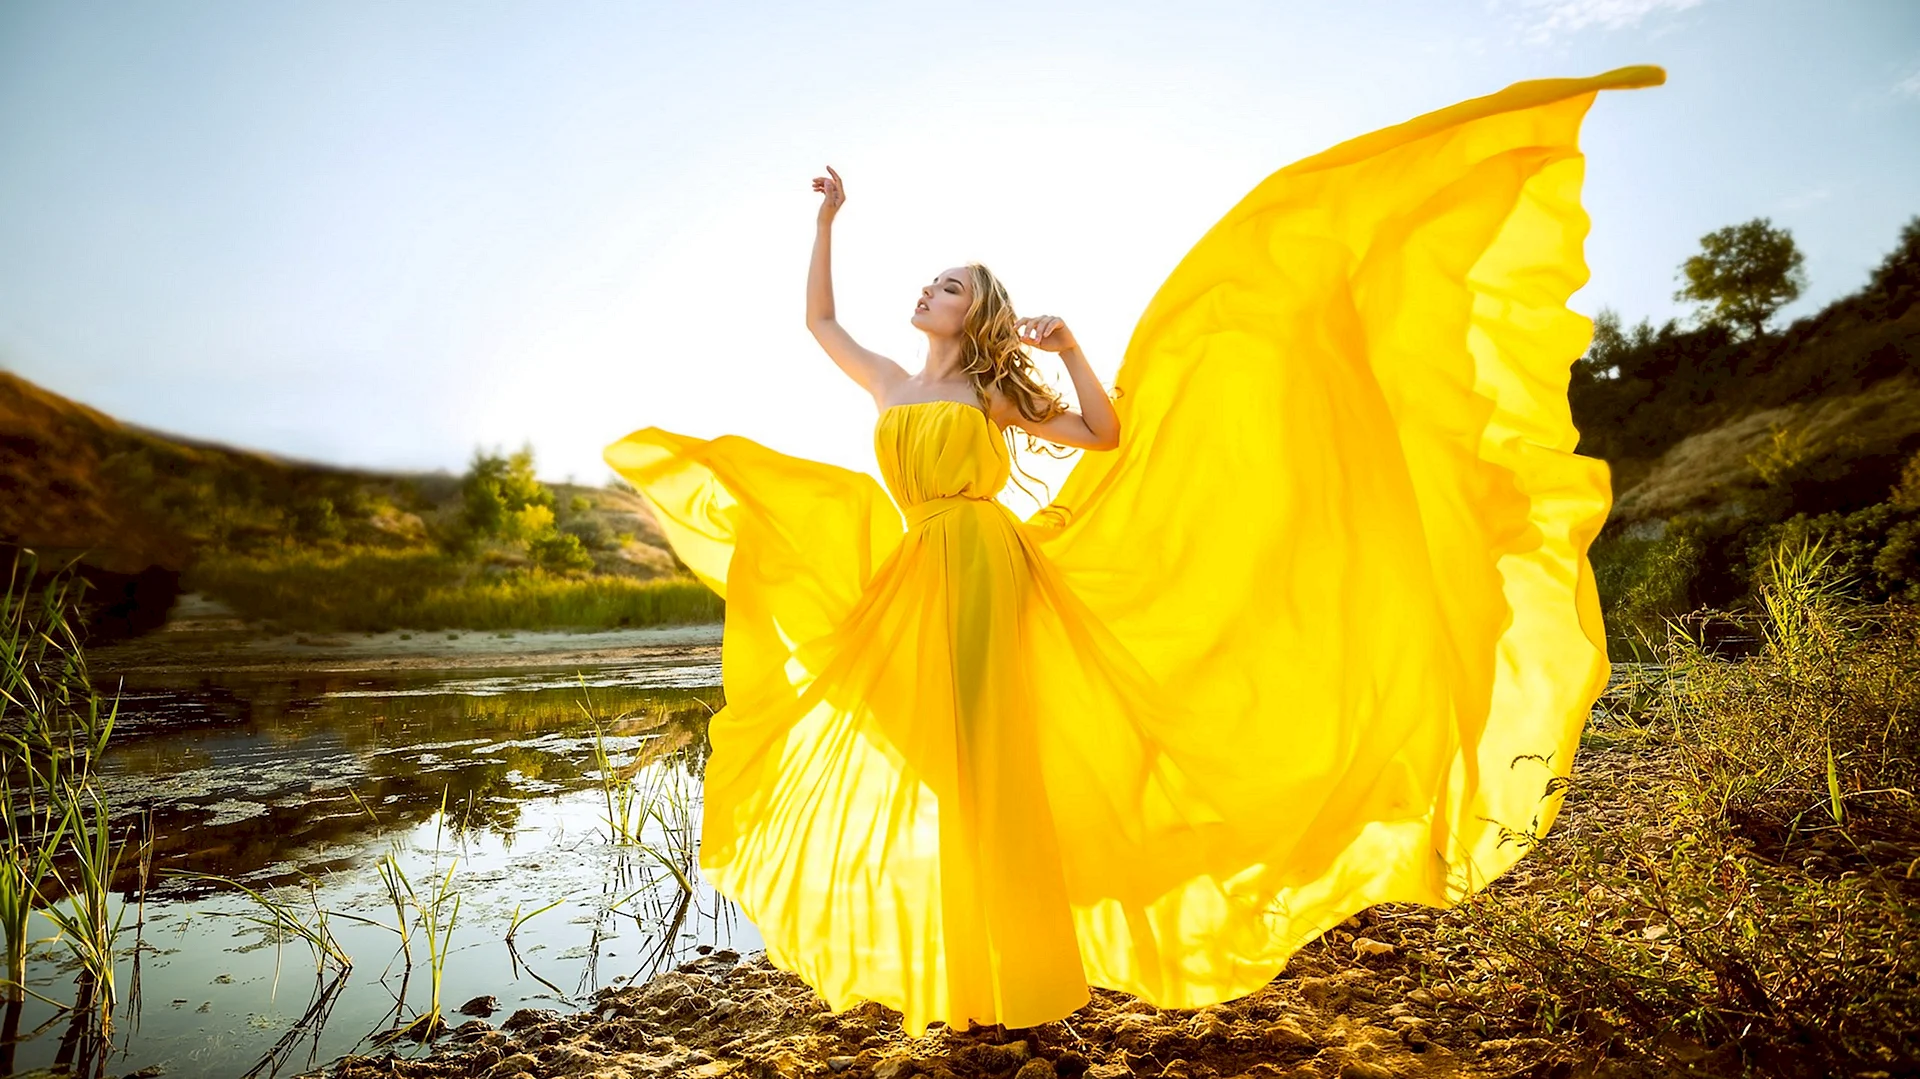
1320 633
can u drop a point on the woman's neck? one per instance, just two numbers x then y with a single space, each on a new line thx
945 360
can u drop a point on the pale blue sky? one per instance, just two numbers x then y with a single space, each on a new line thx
382 234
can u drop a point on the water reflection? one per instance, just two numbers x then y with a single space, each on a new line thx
303 783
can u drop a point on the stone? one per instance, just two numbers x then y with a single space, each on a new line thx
530 1017
1322 993
990 1059
571 1059
518 1062
1287 1033
781 1062
1133 1031
1037 1068
839 1064
1208 1025
893 1068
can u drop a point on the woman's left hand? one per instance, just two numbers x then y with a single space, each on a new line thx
1046 333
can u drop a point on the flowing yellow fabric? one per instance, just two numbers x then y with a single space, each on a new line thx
1320 633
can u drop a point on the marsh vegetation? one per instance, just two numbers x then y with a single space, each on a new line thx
422 840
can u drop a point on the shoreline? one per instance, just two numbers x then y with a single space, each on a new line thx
203 638
728 1015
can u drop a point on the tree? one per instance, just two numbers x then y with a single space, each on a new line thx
1602 360
1743 274
498 489
1897 278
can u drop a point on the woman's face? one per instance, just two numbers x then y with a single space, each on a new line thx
942 308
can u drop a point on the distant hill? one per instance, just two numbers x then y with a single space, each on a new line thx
150 514
1722 447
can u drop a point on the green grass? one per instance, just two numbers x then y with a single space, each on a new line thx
1642 583
54 729
370 589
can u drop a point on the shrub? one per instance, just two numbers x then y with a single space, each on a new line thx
1645 580
1874 551
560 552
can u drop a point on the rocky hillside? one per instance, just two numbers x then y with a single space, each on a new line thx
148 514
1721 447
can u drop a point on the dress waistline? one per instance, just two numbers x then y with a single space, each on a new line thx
920 512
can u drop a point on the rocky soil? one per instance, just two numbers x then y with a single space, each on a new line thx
1358 1015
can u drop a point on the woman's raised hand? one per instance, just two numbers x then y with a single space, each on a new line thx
832 192
1045 332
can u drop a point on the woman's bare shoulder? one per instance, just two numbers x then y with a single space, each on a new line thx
1000 408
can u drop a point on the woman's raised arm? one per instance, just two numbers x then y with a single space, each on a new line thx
874 372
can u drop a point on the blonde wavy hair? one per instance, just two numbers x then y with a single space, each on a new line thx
994 356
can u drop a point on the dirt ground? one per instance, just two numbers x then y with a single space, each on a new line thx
722 1015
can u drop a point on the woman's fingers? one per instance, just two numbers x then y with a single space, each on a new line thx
1037 326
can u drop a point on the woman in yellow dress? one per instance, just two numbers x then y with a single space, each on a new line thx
1309 627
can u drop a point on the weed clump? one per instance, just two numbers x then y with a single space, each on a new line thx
1742 888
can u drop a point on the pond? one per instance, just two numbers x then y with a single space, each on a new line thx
315 787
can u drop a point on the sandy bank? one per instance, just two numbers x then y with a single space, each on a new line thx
202 636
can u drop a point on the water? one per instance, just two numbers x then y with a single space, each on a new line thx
299 785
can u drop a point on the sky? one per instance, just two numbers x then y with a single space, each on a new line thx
387 235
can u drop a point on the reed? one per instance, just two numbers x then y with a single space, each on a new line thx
630 803
25 863
394 882
90 926
517 919
618 790
283 920
675 810
1804 603
436 922
54 730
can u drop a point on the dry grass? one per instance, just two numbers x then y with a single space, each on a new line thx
373 589
1734 889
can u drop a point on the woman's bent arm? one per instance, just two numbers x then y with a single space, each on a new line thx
1096 426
